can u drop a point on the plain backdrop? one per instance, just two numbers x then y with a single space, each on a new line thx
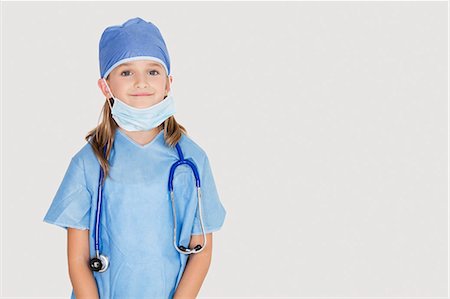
325 123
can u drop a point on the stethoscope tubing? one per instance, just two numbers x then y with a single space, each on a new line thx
182 161
98 212
101 262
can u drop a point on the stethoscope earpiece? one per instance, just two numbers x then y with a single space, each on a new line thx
194 250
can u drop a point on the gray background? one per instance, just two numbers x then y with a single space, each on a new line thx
326 125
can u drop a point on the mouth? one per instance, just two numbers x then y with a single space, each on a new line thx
141 95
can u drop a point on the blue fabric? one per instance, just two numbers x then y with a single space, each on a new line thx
136 39
136 222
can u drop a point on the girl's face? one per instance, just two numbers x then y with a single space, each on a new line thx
139 83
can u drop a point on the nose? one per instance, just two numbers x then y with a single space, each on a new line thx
141 81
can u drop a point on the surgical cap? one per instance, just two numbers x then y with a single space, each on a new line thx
136 39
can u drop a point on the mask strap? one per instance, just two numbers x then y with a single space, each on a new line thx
109 93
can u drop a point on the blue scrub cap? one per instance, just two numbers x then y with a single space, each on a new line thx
136 39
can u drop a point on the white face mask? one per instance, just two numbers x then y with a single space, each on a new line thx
141 119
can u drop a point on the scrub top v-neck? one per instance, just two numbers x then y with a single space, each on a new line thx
136 231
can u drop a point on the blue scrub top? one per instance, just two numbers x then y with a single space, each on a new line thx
136 230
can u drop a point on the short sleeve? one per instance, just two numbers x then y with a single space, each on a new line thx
213 212
72 203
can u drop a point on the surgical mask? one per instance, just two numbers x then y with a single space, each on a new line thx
141 119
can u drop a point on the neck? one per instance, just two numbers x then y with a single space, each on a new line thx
142 137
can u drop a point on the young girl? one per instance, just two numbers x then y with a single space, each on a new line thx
138 200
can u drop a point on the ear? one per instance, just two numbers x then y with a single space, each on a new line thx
101 84
169 84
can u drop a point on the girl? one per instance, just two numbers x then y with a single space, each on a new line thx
129 236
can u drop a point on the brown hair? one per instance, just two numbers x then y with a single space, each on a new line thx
103 136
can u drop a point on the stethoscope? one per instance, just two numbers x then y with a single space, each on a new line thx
100 262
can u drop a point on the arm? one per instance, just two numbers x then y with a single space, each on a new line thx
81 276
196 268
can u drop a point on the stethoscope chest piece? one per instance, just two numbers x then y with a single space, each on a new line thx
99 264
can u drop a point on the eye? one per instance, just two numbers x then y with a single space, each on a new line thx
153 72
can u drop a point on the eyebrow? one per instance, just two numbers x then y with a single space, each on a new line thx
150 63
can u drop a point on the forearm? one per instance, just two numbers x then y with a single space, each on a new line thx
83 281
193 276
